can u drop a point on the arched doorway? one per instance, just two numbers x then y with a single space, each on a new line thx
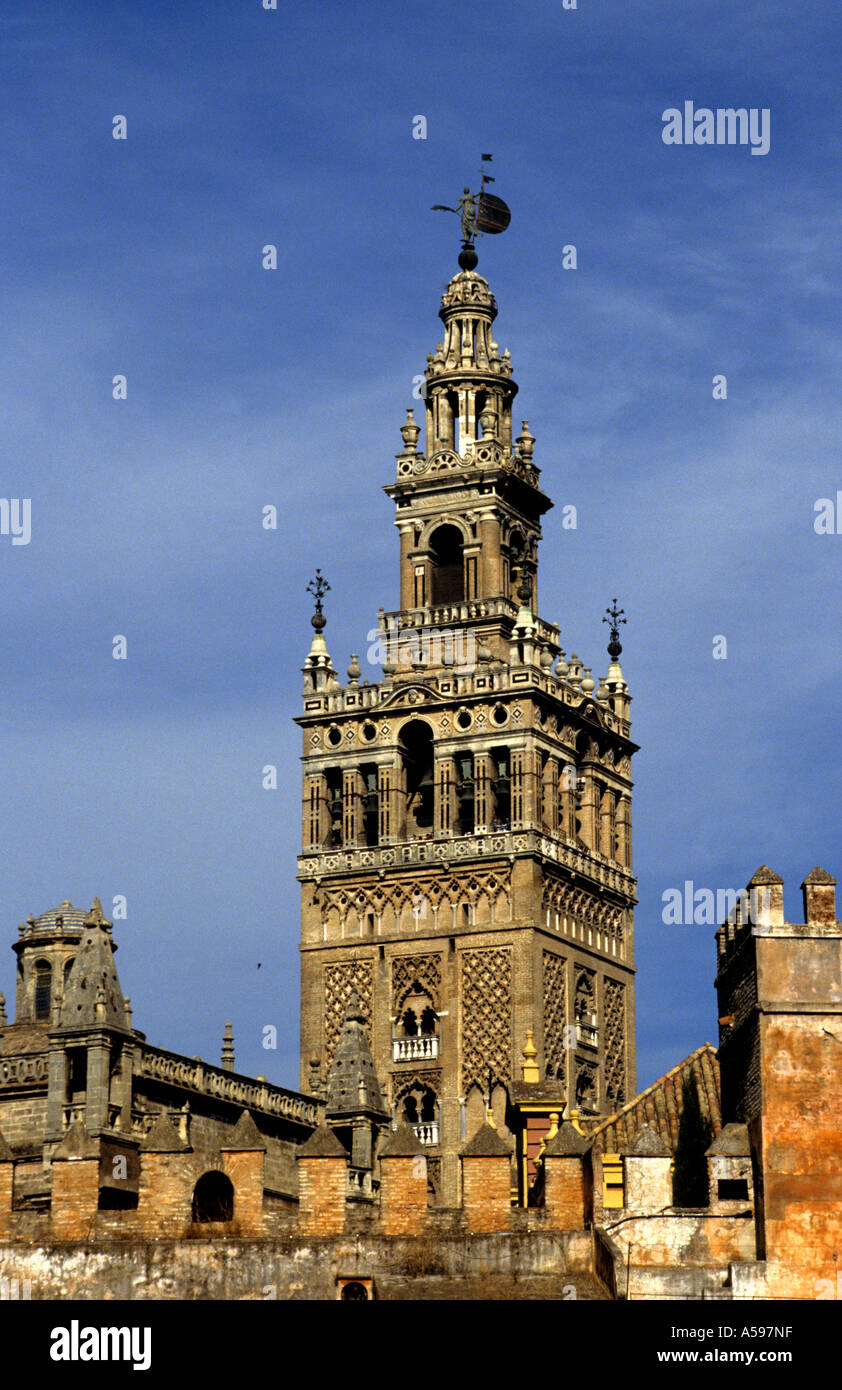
213 1198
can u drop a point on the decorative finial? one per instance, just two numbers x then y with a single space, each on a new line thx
614 616
318 587
410 431
227 1057
3 1018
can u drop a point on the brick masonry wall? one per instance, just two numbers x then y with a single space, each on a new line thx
322 1185
564 1192
486 1199
245 1169
403 1195
75 1197
165 1194
739 1045
7 1172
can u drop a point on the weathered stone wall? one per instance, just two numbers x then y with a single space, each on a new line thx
681 1238
802 1148
294 1268
23 1119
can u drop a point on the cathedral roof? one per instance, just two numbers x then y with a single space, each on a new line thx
659 1105
352 1085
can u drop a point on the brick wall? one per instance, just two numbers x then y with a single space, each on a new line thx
7 1173
403 1194
75 1197
564 1192
245 1169
165 1194
322 1191
486 1198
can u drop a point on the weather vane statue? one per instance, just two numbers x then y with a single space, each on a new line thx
478 212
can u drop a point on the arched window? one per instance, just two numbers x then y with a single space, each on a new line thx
416 744
213 1198
448 570
43 988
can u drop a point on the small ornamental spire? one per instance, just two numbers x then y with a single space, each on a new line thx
227 1057
318 587
614 616
3 1018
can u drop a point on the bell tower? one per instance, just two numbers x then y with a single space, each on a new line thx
467 866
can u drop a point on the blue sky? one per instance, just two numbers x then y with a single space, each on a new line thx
249 387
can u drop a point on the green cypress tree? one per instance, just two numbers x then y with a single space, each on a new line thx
695 1133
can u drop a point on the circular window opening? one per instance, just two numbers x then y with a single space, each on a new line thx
500 715
369 733
334 737
463 719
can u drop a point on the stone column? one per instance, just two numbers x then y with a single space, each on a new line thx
315 819
491 577
98 1083
352 794
482 792
445 795
549 796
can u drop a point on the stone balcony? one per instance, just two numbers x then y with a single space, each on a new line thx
588 864
421 1049
426 1132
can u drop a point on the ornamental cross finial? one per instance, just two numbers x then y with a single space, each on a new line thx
318 587
614 616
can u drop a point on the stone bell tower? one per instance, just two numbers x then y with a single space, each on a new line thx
466 864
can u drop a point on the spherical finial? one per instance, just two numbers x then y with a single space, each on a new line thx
468 258
318 587
614 616
354 671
